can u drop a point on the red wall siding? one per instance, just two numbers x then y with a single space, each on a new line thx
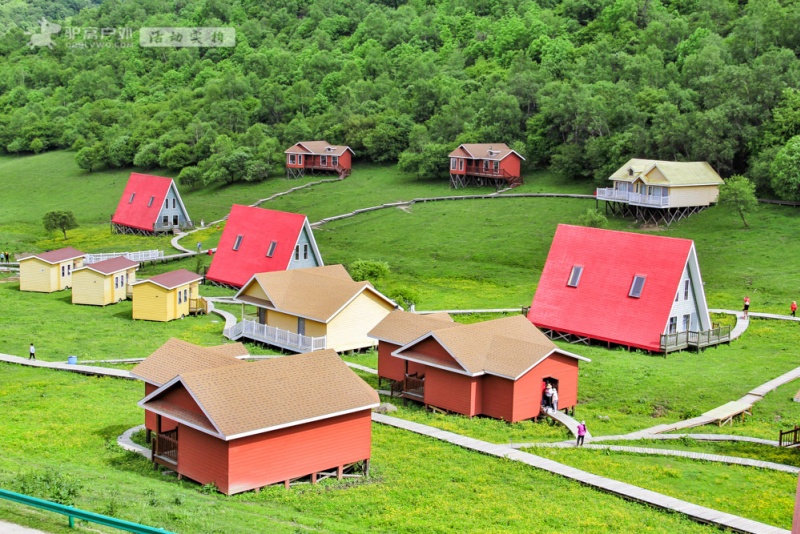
450 391
498 397
528 389
272 457
432 349
203 458
150 421
511 164
346 160
389 366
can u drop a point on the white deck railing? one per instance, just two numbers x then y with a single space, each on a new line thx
274 336
609 193
142 255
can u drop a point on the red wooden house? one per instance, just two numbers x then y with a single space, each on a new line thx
635 290
257 240
242 427
485 164
318 156
173 358
149 205
495 368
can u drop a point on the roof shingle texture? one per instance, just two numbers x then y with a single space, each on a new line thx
173 279
113 265
57 256
176 357
317 148
482 151
400 327
676 173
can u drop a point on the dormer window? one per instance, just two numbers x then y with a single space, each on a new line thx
575 275
238 242
630 171
150 202
271 249
131 200
637 286
329 149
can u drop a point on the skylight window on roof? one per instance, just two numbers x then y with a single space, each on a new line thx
150 203
271 250
575 275
637 286
131 200
238 242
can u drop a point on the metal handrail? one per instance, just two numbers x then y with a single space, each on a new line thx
83 515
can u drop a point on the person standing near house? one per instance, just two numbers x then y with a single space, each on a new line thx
548 397
746 308
554 400
32 351
199 246
793 307
581 433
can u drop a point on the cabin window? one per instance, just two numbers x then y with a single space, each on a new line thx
301 326
630 171
179 297
575 276
686 289
453 163
335 161
637 286
305 251
131 200
323 160
165 220
166 204
271 249
496 166
292 159
238 242
150 202
63 271
175 220
174 200
486 164
677 294
297 252
687 322
186 295
69 269
299 159
673 325
461 164
116 282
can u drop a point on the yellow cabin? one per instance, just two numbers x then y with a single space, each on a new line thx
104 282
165 297
49 271
311 309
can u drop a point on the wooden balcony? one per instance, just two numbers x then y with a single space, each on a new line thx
198 305
636 199
697 339
164 449
274 336
411 387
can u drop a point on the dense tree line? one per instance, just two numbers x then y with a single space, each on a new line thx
576 85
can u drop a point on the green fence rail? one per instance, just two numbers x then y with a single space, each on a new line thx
73 513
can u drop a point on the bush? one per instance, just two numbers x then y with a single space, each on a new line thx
51 486
594 219
404 296
370 270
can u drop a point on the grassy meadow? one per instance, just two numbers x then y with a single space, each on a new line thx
450 254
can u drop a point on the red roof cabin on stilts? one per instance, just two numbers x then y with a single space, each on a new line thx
485 164
318 156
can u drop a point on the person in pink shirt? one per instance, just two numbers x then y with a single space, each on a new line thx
581 433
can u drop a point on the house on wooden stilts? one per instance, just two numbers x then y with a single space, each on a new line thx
622 288
660 192
318 157
243 427
494 368
105 282
49 271
150 205
258 240
485 164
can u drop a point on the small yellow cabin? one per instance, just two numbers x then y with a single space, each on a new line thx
311 309
49 271
165 297
104 282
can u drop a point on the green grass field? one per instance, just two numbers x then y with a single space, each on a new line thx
453 254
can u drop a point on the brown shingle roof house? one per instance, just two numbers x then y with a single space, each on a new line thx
250 425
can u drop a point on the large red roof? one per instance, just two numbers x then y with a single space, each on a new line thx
141 212
258 227
599 307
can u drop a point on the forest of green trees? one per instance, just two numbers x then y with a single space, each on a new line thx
578 86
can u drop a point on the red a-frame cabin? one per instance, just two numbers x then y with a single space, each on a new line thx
318 156
485 164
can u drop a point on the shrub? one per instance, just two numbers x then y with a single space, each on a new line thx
368 270
594 219
404 296
48 485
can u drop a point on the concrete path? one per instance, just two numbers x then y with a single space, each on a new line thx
698 437
567 421
63 366
124 441
627 491
705 457
741 323
11 528
230 319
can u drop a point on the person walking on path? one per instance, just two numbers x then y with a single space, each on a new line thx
199 247
581 433
793 307
32 353
746 308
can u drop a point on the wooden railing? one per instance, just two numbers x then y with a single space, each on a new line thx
414 386
609 193
789 437
705 338
674 341
165 446
275 336
198 305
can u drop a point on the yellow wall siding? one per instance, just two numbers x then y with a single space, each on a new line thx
89 287
151 302
348 330
36 275
281 320
680 197
656 175
254 290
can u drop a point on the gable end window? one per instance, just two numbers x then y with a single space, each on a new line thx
637 286
131 199
238 242
686 290
297 252
575 275
150 203
271 249
305 251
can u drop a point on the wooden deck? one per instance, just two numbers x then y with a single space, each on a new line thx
695 512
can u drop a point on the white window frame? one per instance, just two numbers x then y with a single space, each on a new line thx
686 289
271 249
323 160
305 251
453 163
238 242
292 159
672 327
575 276
634 294
687 322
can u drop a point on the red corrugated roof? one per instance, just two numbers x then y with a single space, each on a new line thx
57 256
258 227
173 279
138 214
599 307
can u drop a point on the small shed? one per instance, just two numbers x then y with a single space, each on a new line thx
258 240
318 156
49 271
243 427
485 164
310 309
494 368
104 282
166 296
150 205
